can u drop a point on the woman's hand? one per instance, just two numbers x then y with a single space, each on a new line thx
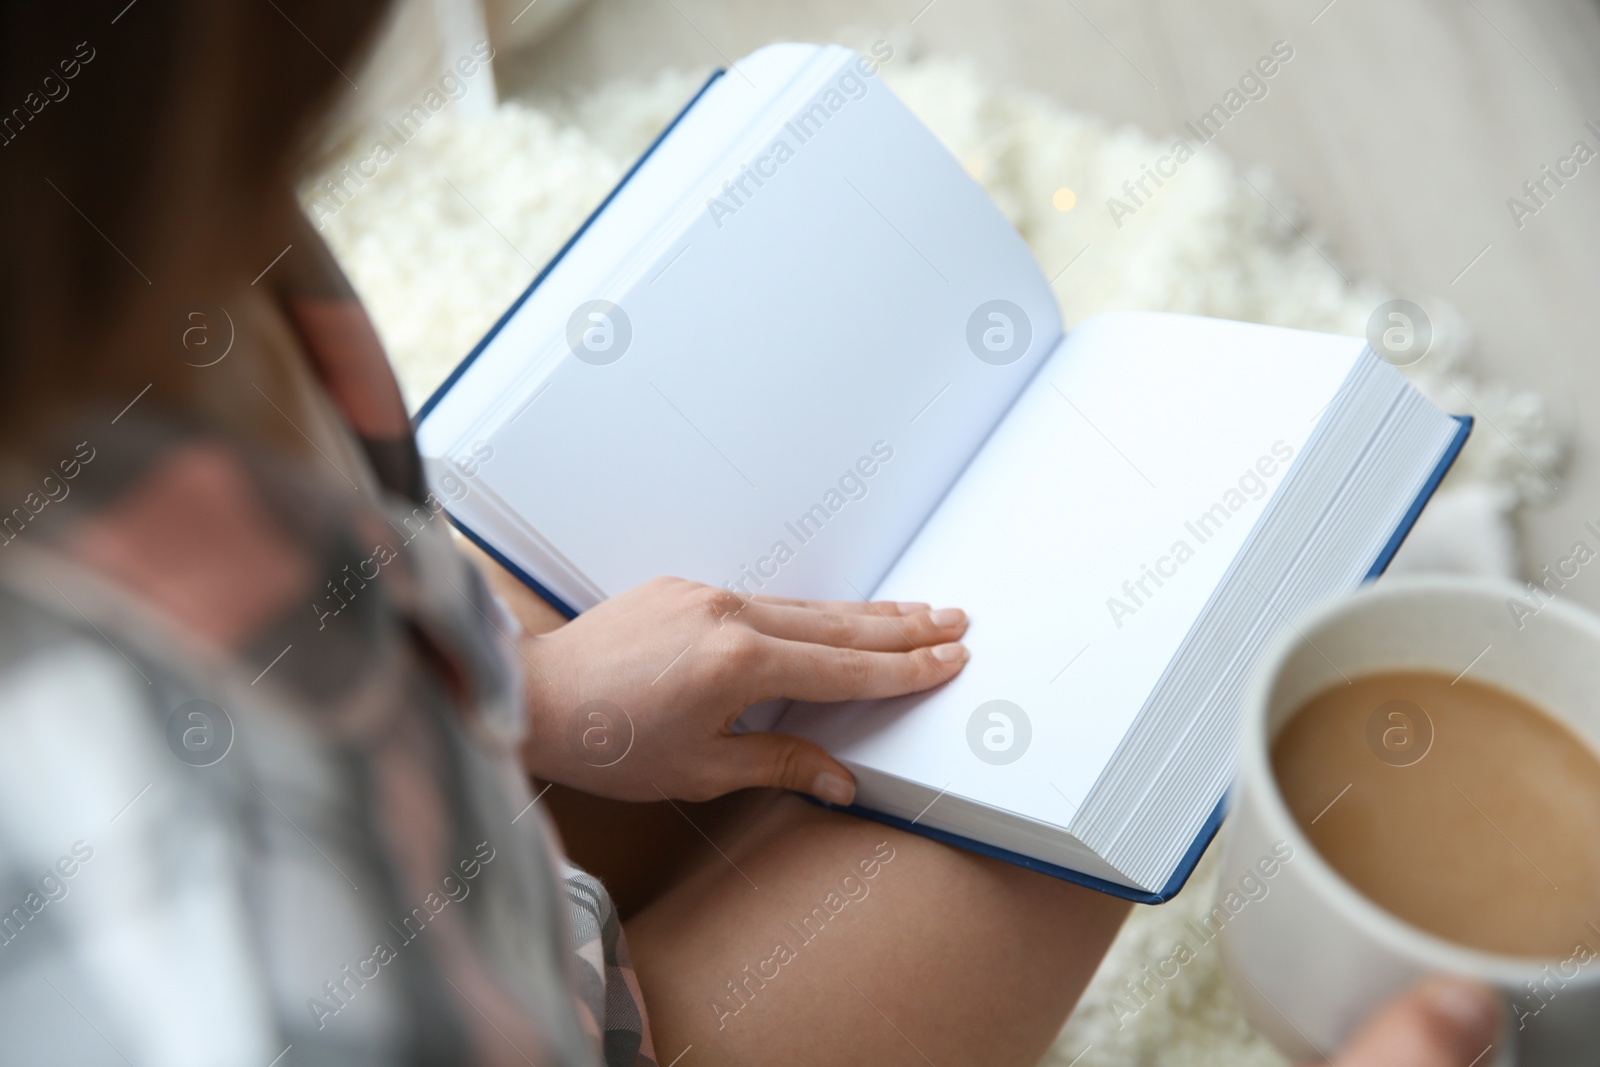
1442 1023
633 699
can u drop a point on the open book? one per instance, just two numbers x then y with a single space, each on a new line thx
798 351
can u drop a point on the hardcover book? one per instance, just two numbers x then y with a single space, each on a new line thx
798 351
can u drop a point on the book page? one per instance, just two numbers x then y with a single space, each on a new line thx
515 357
780 400
1084 540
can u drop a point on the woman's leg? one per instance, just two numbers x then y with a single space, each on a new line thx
802 936
637 850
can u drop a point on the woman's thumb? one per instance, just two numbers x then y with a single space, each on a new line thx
790 763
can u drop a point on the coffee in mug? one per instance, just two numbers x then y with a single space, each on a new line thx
1456 806
1468 847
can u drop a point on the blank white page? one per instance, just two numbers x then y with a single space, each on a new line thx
776 353
1137 426
723 114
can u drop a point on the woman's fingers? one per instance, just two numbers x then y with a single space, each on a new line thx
877 633
1441 1024
821 673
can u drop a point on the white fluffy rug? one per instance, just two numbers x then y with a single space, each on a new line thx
452 228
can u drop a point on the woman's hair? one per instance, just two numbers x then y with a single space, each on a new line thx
148 151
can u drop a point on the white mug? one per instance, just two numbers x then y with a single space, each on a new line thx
1308 956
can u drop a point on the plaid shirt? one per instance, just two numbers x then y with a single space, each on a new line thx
259 795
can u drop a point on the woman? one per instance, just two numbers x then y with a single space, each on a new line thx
265 732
